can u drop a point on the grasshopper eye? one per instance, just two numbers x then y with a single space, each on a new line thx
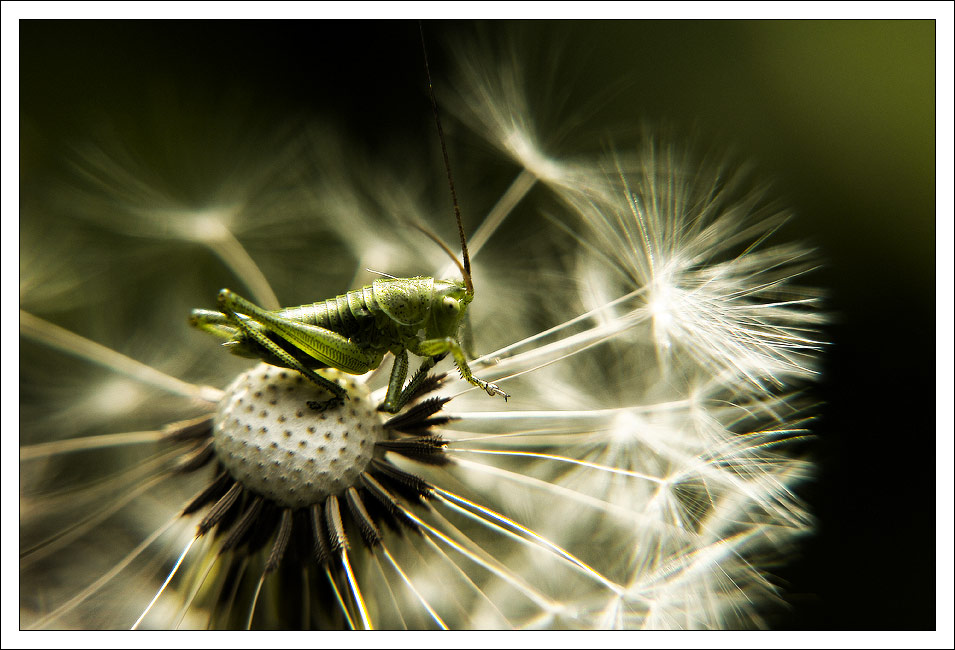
450 304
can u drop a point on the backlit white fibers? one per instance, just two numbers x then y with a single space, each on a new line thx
643 474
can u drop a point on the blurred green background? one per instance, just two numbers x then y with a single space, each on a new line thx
839 115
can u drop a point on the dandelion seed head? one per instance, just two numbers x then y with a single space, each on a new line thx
641 476
269 439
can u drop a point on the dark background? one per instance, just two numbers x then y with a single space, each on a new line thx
840 114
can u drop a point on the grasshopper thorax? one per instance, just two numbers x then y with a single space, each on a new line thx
406 301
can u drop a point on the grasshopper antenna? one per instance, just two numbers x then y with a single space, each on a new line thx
466 268
454 258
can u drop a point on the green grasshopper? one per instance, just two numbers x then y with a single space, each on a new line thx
353 331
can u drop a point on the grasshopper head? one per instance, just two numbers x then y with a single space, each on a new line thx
449 307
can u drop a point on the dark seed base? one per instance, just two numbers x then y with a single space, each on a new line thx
296 543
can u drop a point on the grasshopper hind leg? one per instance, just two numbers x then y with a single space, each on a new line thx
339 394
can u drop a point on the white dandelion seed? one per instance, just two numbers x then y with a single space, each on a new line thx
697 237
640 477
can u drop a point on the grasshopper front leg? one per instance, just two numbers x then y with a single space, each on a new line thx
435 347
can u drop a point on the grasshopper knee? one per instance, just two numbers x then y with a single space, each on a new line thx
211 321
